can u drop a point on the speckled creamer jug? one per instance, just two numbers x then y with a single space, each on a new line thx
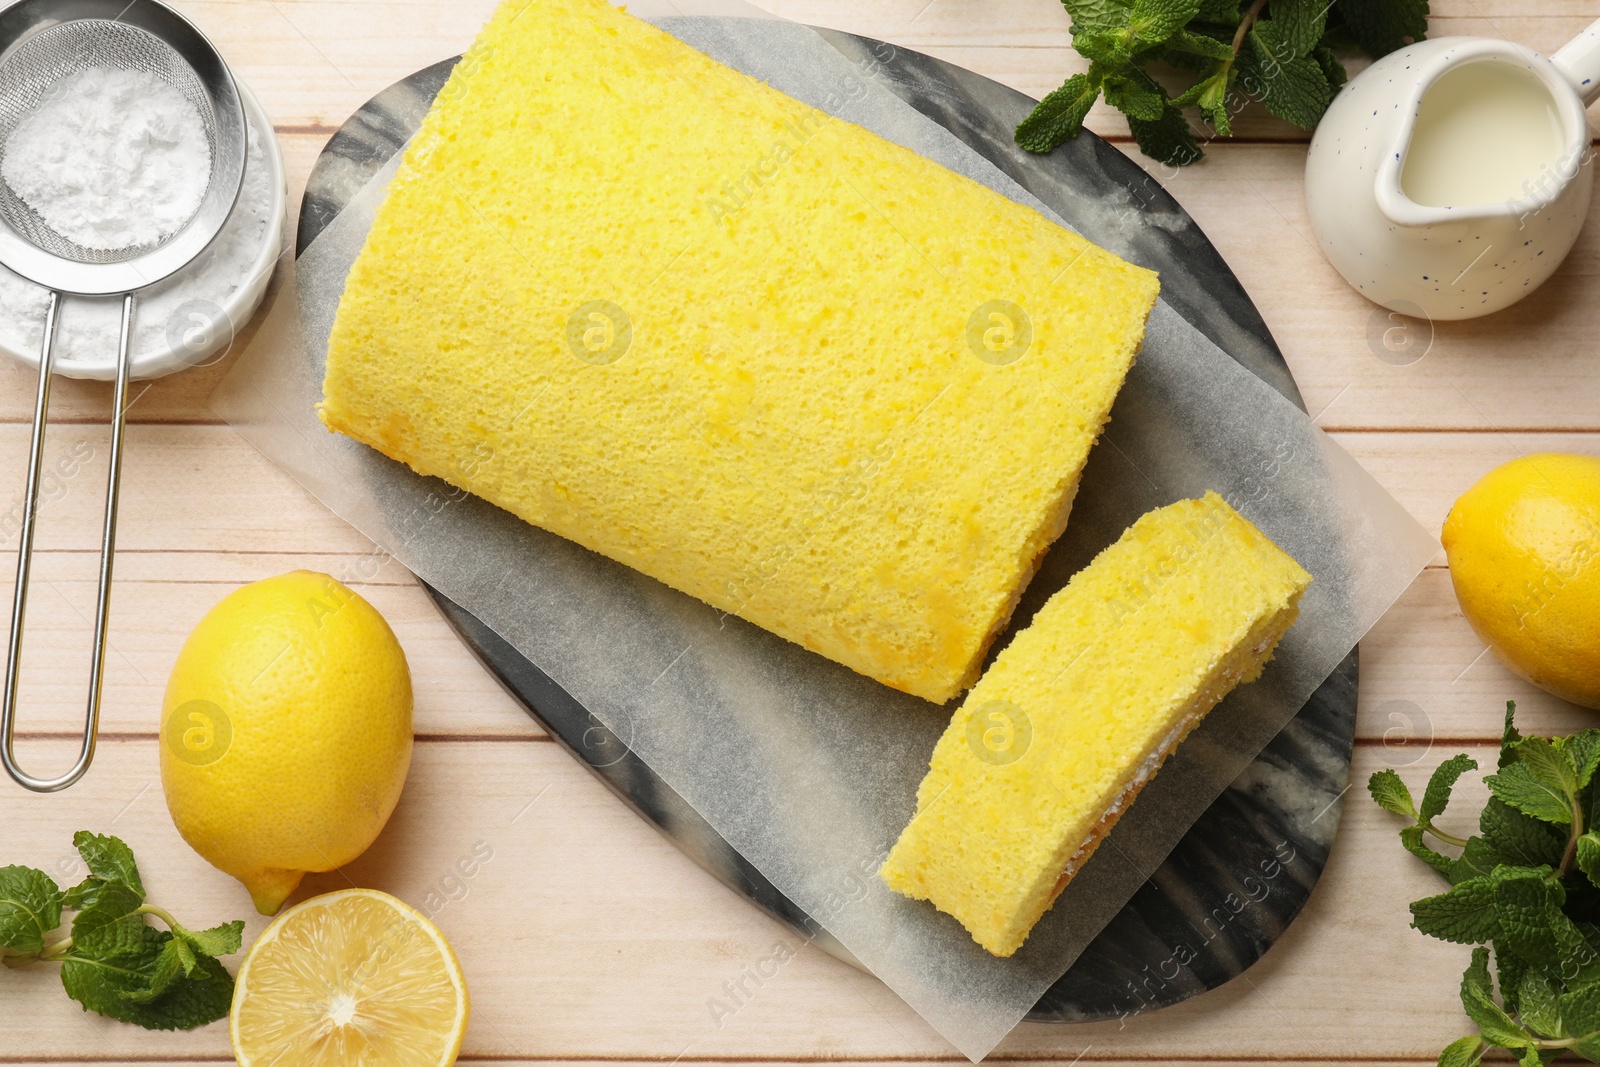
1451 178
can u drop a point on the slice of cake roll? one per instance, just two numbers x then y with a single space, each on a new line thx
764 356
1081 708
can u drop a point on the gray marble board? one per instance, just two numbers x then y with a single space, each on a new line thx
1188 929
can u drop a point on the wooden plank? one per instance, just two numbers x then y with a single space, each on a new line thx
585 935
1428 471
160 597
1427 680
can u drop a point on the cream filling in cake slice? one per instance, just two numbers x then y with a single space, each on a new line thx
762 355
1077 714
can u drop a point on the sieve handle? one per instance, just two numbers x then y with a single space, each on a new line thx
41 411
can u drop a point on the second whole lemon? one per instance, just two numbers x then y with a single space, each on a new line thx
1524 551
286 732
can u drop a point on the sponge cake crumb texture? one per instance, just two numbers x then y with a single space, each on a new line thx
1077 713
764 356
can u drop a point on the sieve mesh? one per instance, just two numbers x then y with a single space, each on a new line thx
46 57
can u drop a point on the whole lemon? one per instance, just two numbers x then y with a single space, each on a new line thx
1524 551
286 732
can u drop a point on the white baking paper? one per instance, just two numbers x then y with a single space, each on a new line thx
808 769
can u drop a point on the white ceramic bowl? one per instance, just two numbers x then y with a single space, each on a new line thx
206 338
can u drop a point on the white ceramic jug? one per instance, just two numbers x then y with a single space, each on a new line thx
1472 208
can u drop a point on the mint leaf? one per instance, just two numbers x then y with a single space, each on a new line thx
1437 796
163 972
84 894
1200 45
1135 95
1521 840
1580 1012
1294 88
109 860
1297 25
1463 1052
221 940
1477 859
1391 793
101 985
1591 935
1282 52
1529 885
1411 838
1552 764
1477 998
112 927
1092 15
1539 1004
116 963
1223 12
1527 907
185 954
1216 112
110 863
30 909
1582 750
1105 50
1212 96
1509 970
1522 787
1465 915
1154 21
1577 962
1588 856
1509 737
1168 139
1384 27
113 987
1058 118
1332 69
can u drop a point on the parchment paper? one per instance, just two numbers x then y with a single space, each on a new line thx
808 769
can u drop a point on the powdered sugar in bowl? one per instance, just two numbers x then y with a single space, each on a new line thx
191 317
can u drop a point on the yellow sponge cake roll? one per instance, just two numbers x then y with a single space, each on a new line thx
762 355
1078 712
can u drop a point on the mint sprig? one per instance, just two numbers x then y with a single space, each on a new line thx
113 961
1524 890
1283 53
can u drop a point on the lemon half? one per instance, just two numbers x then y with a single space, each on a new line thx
353 977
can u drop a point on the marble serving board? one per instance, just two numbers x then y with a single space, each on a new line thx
1197 922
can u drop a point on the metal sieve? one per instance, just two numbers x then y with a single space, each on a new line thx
41 42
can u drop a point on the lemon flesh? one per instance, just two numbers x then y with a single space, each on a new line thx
286 732
1524 551
353 977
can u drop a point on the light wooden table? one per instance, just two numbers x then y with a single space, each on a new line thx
585 936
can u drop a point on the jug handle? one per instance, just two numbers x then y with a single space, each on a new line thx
1579 61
